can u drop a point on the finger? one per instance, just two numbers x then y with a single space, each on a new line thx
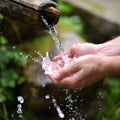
59 57
69 81
75 81
66 71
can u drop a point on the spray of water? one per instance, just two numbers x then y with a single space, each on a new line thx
19 107
54 66
60 112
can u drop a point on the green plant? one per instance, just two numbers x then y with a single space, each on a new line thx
74 23
11 64
69 20
65 9
111 110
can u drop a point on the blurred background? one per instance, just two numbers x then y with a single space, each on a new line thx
21 47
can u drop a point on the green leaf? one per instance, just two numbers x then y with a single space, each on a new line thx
65 8
9 78
73 23
18 59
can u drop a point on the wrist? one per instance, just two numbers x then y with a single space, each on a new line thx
108 49
111 66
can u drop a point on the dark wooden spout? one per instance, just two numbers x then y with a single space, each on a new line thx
30 11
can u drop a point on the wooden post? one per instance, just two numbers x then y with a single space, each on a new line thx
30 11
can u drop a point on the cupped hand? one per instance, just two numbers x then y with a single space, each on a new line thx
81 72
79 50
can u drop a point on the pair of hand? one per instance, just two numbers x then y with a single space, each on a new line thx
90 65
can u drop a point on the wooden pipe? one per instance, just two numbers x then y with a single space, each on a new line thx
30 11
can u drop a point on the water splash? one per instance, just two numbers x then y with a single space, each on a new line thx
20 99
51 67
56 106
60 112
47 97
54 66
19 107
47 62
36 58
72 109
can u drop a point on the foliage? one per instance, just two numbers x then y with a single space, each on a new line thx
70 21
111 110
11 63
65 9
74 23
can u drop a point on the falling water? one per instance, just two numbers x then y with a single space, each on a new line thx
57 107
60 112
19 107
53 66
54 34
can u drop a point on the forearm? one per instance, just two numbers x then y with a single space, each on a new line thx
112 66
115 41
110 48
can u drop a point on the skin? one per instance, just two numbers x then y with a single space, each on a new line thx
90 64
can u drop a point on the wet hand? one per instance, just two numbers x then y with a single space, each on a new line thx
79 50
81 72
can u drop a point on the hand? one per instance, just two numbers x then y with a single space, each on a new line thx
79 50
81 72
110 48
90 63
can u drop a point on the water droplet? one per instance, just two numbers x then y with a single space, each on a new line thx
21 53
14 47
20 99
47 97
60 112
19 106
43 85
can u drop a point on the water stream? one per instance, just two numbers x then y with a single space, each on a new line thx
19 107
54 66
54 34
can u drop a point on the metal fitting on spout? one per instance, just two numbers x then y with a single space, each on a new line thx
46 3
49 11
